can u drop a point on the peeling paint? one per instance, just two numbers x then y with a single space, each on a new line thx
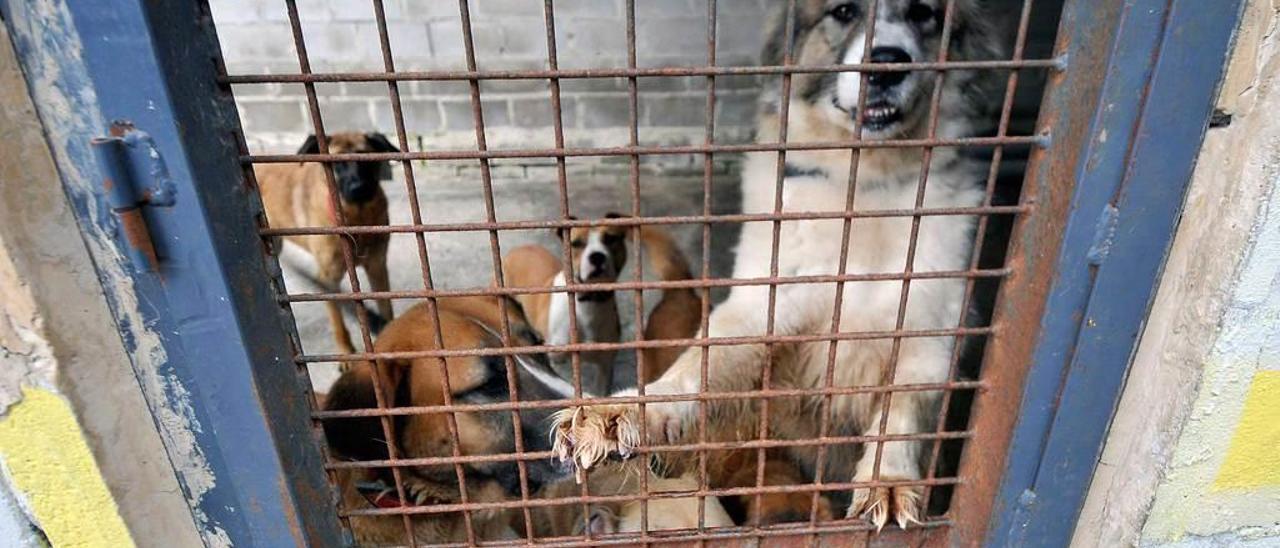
67 106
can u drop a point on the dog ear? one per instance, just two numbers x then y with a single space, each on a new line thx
310 146
561 230
355 438
616 215
379 143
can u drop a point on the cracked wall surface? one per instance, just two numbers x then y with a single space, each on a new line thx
1193 456
82 459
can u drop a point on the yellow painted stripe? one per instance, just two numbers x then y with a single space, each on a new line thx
50 464
1254 457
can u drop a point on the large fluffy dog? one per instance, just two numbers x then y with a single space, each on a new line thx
823 107
297 195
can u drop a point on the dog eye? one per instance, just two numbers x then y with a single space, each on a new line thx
921 14
578 244
610 239
845 13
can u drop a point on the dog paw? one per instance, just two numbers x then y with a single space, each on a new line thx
878 503
585 437
420 492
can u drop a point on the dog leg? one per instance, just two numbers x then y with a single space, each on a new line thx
380 280
921 361
586 436
329 279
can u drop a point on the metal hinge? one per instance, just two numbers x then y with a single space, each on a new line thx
133 176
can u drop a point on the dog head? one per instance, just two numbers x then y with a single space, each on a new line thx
357 181
832 32
599 252
471 380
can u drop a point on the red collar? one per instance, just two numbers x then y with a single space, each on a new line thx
379 494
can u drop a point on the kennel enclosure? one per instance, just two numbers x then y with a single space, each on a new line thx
1130 88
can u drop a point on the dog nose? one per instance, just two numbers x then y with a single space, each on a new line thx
596 258
885 54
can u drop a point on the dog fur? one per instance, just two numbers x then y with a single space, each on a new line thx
625 517
466 323
297 195
826 33
679 312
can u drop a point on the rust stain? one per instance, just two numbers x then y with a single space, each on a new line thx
134 227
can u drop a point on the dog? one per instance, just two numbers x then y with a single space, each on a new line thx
601 253
297 195
824 107
598 253
465 323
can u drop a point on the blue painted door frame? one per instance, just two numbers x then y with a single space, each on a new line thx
211 346
1166 60
210 338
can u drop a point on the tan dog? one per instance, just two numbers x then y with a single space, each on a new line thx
297 195
599 254
466 323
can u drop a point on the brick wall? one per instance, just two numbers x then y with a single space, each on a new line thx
341 35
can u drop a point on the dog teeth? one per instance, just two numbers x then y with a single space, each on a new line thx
880 112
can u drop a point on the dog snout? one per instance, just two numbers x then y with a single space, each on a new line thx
597 259
888 54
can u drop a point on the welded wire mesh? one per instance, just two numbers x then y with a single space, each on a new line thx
517 508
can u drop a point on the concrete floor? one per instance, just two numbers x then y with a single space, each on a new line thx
462 260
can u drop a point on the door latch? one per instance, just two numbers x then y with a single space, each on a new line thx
134 176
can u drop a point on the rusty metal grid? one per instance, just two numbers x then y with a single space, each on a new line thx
815 530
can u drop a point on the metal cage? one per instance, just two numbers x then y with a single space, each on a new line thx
1103 183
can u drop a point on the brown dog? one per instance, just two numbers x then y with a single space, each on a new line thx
598 254
466 323
297 195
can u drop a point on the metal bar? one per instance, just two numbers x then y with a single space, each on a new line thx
704 296
766 372
495 255
1087 34
655 398
566 74
663 343
725 536
706 218
828 376
641 285
633 122
1006 111
632 150
935 101
512 504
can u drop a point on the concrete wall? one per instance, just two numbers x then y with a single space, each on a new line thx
1193 457
341 35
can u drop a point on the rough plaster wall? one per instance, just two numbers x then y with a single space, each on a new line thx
1181 357
62 323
